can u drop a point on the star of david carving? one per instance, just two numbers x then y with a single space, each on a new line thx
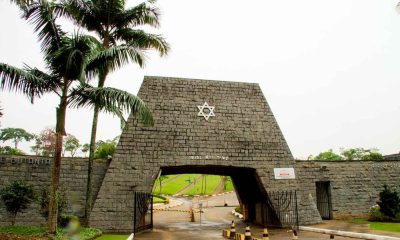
208 114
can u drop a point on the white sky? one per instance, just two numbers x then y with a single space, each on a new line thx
329 69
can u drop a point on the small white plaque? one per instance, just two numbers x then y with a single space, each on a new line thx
284 173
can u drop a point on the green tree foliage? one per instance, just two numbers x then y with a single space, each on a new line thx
71 60
71 144
16 197
327 156
6 150
349 154
117 26
105 149
62 203
389 202
85 148
16 135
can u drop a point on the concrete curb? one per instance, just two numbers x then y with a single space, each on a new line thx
236 214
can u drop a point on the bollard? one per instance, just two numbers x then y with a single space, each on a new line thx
295 237
226 233
247 233
332 236
265 235
192 215
233 229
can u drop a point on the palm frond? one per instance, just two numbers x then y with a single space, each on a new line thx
42 14
110 100
143 40
69 60
114 58
142 14
29 81
82 13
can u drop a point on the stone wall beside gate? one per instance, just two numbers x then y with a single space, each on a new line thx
355 185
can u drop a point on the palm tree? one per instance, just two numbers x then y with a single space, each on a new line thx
70 61
115 26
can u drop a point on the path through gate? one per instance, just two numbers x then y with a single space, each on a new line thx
143 211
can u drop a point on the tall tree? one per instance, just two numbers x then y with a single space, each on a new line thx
71 61
115 25
16 135
71 144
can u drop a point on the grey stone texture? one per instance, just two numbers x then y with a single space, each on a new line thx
355 185
243 136
243 133
37 171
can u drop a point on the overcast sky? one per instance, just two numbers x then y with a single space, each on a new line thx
329 69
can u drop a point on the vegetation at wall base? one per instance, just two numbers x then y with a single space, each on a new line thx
33 232
113 237
382 226
16 197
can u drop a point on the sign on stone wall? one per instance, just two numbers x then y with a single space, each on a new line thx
284 173
24 160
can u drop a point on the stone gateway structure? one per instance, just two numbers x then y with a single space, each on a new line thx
212 127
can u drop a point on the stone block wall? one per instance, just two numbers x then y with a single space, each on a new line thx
37 171
355 185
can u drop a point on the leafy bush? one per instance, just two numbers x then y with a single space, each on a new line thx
6 150
62 204
375 215
16 197
389 202
64 219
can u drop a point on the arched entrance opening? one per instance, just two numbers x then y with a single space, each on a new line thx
245 181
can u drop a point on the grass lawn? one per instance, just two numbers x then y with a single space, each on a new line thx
112 237
30 232
229 186
178 184
156 188
159 199
212 182
383 226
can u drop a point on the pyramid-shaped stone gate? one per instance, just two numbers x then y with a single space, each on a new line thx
201 126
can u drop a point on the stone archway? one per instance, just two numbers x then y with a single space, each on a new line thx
202 123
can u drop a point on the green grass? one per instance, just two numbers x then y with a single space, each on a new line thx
229 186
156 188
178 184
383 226
159 199
24 230
32 231
212 182
113 237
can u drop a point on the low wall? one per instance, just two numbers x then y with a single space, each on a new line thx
355 185
37 171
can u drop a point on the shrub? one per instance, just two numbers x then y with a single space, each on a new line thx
62 204
64 219
389 202
16 197
375 215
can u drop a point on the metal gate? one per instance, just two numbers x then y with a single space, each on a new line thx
281 209
324 204
143 211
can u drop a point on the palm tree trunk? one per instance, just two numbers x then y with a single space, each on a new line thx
56 167
89 186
